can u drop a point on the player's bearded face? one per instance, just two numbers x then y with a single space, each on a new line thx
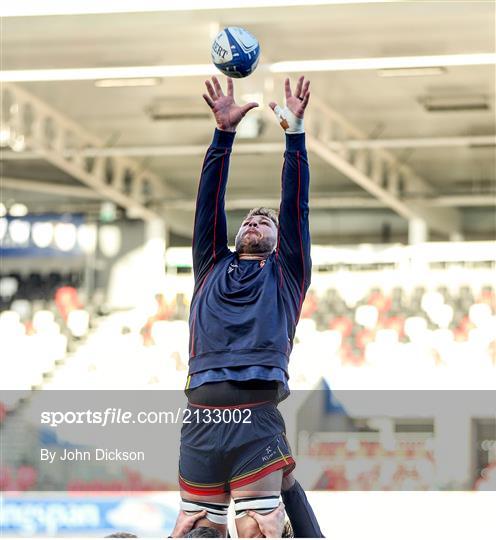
257 234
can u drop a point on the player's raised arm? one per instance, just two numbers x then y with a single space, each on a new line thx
293 249
210 229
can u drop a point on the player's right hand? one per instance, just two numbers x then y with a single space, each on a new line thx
227 114
185 523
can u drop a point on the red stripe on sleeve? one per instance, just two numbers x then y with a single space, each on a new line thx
299 233
214 254
279 226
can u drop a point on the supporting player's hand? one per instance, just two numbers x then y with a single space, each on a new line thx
185 523
270 525
227 114
291 117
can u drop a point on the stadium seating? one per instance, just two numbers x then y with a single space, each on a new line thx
58 343
487 480
36 329
419 327
366 465
445 322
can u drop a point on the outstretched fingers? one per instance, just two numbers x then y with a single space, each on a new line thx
299 84
248 107
304 101
217 86
230 87
210 103
305 95
210 90
306 86
287 88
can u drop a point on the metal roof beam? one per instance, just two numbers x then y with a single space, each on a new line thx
376 170
51 188
242 203
475 141
33 124
338 202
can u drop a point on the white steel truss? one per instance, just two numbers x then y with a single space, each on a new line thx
42 131
475 141
379 172
187 204
35 126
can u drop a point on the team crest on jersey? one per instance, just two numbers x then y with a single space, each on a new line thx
231 268
262 264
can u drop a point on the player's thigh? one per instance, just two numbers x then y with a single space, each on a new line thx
223 498
267 486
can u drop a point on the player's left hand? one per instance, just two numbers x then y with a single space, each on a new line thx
270 525
185 523
291 117
297 102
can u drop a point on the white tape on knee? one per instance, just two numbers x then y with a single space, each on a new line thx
262 505
289 122
216 512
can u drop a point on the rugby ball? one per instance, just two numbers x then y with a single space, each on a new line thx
235 52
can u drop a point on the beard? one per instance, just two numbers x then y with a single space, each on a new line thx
254 244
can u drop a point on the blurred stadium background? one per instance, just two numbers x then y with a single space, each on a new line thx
102 135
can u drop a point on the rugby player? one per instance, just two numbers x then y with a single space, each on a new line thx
244 311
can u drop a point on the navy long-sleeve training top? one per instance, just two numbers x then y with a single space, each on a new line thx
244 313
300 513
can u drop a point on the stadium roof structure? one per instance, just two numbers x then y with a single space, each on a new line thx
401 125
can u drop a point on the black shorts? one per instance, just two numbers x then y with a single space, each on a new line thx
227 447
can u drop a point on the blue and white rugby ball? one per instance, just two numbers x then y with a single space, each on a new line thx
235 52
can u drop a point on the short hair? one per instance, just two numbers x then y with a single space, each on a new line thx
267 212
121 535
204 532
287 532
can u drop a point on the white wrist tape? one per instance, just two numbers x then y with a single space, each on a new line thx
289 122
